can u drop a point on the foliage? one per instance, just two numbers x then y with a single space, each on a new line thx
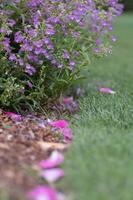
44 45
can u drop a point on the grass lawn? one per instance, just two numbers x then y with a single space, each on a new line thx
99 165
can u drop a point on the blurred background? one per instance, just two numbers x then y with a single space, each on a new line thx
128 5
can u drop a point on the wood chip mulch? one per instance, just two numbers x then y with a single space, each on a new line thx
22 146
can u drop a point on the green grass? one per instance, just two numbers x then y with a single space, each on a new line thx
99 165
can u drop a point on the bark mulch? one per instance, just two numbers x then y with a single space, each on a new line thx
22 145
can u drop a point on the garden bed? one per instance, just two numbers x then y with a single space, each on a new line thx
22 145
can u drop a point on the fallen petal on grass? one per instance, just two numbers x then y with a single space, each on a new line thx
55 159
106 91
59 124
52 175
43 193
14 116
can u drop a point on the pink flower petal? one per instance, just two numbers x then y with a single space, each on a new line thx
69 104
55 159
63 126
67 100
59 124
14 116
52 175
67 132
107 91
42 193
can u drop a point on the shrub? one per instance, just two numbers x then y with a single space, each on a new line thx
44 45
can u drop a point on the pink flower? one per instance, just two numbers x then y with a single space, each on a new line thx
62 125
52 175
67 100
42 193
55 159
14 116
107 91
59 124
67 132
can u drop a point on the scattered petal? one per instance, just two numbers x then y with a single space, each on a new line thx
69 104
107 91
52 175
59 124
42 193
55 159
63 126
67 100
67 132
14 116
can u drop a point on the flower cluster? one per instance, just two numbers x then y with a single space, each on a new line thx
50 38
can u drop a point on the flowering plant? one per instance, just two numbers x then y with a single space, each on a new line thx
44 44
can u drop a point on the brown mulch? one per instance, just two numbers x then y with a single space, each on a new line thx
20 151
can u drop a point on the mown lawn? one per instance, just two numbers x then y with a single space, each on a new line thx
99 165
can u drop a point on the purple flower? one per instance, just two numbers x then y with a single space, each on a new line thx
30 69
30 84
38 43
72 64
11 22
66 55
26 46
114 39
32 32
47 40
50 31
34 3
12 57
98 41
20 62
36 20
18 37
